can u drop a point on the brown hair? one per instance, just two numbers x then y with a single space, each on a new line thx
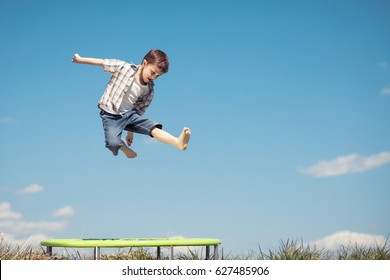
158 58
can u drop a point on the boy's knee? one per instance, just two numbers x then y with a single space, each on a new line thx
153 130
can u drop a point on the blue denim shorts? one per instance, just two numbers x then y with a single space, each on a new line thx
114 125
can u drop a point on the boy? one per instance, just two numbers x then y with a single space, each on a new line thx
126 98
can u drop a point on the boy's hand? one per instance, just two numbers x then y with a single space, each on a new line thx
129 138
76 58
87 60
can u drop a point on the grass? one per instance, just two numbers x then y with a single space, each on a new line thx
289 250
24 252
292 250
355 252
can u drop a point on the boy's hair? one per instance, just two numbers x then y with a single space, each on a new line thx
158 58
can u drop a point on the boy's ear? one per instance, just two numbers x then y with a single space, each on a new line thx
144 62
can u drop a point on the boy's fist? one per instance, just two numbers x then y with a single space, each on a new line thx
76 58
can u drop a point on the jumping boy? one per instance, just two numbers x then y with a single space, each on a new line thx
126 98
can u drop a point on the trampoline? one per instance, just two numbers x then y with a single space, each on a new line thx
133 242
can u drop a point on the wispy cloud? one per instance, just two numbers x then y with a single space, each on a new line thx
34 188
385 91
17 230
151 141
24 227
66 211
383 64
353 163
348 238
7 120
6 213
11 223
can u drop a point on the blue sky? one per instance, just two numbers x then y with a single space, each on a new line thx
288 103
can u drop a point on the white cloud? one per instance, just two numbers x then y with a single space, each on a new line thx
353 163
7 120
385 91
6 213
66 211
16 231
34 188
23 227
348 238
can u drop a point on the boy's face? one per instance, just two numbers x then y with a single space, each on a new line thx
149 72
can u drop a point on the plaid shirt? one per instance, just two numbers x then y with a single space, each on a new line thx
122 77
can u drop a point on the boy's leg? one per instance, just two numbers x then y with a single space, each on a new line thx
139 124
113 126
181 142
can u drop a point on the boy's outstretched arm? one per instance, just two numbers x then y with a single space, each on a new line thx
87 60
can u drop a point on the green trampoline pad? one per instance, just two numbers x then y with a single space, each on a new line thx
130 242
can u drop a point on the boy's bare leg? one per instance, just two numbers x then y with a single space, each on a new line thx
127 151
165 137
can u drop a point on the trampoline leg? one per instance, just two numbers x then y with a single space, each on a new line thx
171 253
216 257
207 252
96 253
158 253
49 250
